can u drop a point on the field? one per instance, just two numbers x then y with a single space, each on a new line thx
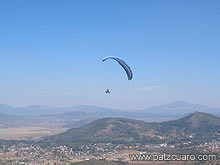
29 132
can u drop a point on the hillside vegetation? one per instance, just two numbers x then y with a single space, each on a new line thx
197 127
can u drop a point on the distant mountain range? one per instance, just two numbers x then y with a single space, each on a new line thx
15 121
194 128
175 108
180 108
70 117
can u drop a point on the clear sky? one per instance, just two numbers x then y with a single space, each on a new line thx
51 51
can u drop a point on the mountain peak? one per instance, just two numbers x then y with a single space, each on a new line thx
197 119
200 115
180 102
179 108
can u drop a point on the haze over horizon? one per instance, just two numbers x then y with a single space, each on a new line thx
177 103
51 52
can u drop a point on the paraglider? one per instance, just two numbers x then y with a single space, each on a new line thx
123 64
107 91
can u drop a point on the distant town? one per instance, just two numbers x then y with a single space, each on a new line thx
34 154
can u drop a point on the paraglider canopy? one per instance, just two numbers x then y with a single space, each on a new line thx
123 64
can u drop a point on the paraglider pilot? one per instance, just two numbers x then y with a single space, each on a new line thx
107 91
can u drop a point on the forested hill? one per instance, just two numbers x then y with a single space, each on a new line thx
196 127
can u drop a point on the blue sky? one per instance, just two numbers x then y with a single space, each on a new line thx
51 51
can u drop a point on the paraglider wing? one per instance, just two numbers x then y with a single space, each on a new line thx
123 64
